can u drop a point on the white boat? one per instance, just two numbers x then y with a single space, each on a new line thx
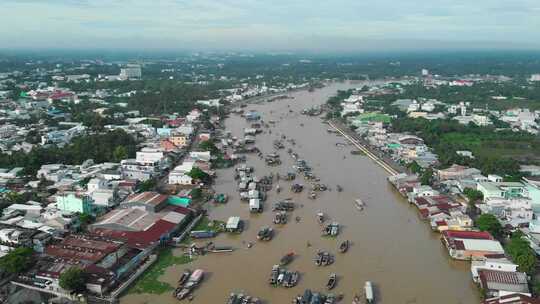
368 292
359 204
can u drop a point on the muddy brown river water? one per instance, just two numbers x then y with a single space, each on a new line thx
391 246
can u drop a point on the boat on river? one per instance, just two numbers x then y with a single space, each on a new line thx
368 292
344 246
184 277
339 188
265 234
359 204
320 217
287 259
331 281
193 281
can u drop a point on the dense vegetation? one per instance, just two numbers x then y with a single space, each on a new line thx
17 260
73 279
495 151
106 147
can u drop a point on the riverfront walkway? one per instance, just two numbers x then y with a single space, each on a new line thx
365 150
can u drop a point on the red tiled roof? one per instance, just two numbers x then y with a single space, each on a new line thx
515 298
147 198
86 248
502 277
477 235
139 239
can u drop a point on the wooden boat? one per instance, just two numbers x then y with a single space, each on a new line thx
320 217
330 299
194 280
184 277
368 292
331 281
344 246
359 204
232 298
287 259
265 234
294 279
274 275
313 195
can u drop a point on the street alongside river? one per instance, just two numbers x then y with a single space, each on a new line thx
391 246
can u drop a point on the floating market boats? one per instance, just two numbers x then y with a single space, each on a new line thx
331 229
265 234
368 292
331 281
193 281
286 259
344 246
280 218
359 204
323 258
242 299
184 277
320 217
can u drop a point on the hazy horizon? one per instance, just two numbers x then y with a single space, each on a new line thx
333 26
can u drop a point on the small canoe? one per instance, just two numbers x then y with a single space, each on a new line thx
331 281
344 246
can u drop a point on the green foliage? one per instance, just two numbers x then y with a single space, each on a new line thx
473 195
208 145
496 152
147 185
196 193
414 167
120 153
99 147
149 282
73 279
489 223
199 174
86 219
518 248
17 260
427 177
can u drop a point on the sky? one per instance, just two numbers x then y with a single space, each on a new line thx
278 25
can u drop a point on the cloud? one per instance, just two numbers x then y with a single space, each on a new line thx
264 24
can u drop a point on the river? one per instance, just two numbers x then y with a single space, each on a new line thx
391 246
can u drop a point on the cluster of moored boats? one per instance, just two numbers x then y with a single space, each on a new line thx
242 299
309 297
323 258
331 229
280 218
187 283
265 233
280 276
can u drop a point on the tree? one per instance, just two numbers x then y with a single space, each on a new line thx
488 222
17 260
208 145
518 248
147 185
120 153
473 195
199 174
414 167
73 279
427 177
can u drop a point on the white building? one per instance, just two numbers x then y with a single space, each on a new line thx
150 156
131 72
178 176
494 264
